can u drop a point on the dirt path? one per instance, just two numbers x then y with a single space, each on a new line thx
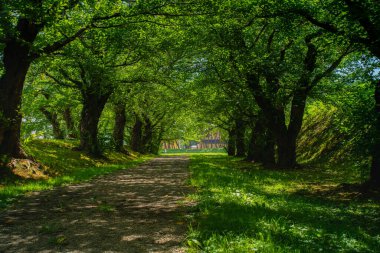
135 210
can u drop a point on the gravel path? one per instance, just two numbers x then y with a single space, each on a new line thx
135 210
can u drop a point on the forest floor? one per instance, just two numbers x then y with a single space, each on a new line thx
136 210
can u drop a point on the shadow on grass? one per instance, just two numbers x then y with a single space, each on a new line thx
264 210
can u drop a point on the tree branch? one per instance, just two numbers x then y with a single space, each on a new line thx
259 35
330 69
67 76
126 63
325 25
329 26
60 44
59 82
124 25
82 73
270 40
283 51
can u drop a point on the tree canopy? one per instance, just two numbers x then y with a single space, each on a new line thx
131 74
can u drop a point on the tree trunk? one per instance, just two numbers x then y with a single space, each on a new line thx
93 105
52 117
268 153
285 136
287 142
136 137
157 142
261 147
147 137
16 62
375 166
286 152
118 130
240 138
71 133
253 154
231 144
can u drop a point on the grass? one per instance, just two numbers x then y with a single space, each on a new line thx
64 166
244 208
50 228
106 208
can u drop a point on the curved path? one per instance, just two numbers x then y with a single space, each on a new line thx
135 210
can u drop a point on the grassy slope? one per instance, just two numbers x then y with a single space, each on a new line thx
64 167
327 139
242 208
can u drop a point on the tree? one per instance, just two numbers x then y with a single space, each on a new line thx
358 22
95 81
22 44
280 62
41 97
41 28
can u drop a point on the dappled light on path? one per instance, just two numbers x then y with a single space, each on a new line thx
135 210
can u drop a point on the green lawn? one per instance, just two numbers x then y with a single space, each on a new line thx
64 166
243 208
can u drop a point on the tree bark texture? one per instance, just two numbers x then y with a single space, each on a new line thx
287 143
261 146
93 105
120 122
285 136
147 137
16 60
136 136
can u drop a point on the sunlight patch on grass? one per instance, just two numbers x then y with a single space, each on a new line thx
242 208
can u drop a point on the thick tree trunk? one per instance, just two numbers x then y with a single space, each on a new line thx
285 136
268 154
93 105
71 132
147 138
240 138
286 152
136 136
261 147
16 61
231 144
52 117
375 166
118 130
287 142
253 154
